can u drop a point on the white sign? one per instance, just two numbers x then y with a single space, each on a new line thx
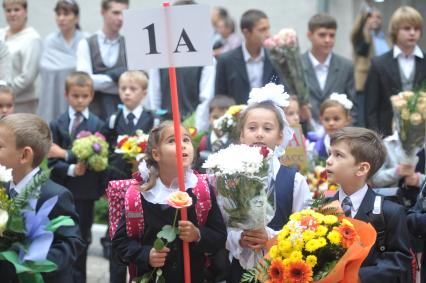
174 36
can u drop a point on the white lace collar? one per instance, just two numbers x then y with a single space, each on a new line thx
159 193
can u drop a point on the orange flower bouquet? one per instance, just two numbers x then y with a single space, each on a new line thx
313 247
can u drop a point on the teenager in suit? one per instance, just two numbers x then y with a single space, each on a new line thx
86 185
325 72
25 140
403 68
355 156
248 66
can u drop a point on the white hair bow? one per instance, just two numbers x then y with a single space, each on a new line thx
342 99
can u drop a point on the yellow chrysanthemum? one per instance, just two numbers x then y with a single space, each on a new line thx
284 233
284 246
319 217
322 242
312 245
334 237
298 244
321 230
311 260
296 256
295 216
308 235
330 219
274 252
234 109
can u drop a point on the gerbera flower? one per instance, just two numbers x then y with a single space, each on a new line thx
298 272
276 271
348 235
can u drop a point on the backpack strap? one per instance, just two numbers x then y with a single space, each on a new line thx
134 211
378 220
204 203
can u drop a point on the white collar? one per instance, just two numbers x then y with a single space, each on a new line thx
276 164
356 198
159 193
21 185
417 52
105 39
393 137
71 113
247 56
137 112
316 63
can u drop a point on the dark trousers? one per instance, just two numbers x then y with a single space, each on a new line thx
104 104
85 210
235 273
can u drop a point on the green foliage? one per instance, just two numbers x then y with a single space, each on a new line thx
168 233
101 211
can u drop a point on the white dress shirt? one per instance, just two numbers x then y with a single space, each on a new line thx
301 199
407 63
321 69
109 53
206 86
356 199
254 66
137 112
21 185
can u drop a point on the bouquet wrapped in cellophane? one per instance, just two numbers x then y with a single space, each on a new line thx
227 123
315 247
92 149
26 233
410 122
240 175
285 56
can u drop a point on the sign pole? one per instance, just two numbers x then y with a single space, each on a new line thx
178 140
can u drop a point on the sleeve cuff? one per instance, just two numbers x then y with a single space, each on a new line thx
70 171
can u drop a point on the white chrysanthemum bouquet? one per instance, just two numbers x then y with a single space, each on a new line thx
240 174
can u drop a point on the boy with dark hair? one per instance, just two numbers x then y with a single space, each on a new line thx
355 156
86 185
25 140
247 66
325 72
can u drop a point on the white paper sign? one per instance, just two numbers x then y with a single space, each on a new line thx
174 36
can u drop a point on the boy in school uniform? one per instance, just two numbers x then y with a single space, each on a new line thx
86 185
132 89
25 140
356 154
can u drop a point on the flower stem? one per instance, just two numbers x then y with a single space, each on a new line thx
174 219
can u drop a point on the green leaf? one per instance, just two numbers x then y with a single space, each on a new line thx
159 272
16 224
158 244
58 222
145 278
168 233
160 279
27 266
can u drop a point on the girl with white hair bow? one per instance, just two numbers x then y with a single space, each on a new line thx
263 123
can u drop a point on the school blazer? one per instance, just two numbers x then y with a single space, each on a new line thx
91 185
394 264
67 242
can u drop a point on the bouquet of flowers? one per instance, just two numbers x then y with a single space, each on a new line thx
285 56
227 123
318 183
92 149
410 120
313 247
132 147
26 234
240 174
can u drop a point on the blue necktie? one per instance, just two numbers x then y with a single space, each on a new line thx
347 206
130 122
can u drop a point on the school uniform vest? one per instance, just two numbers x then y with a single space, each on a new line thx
284 187
407 83
188 84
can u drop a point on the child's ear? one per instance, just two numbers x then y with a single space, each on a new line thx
364 169
155 154
27 156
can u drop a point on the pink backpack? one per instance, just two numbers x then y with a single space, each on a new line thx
124 194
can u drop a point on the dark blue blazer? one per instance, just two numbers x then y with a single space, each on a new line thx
91 185
116 125
232 78
67 242
394 264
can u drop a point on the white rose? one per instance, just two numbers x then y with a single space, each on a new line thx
4 217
